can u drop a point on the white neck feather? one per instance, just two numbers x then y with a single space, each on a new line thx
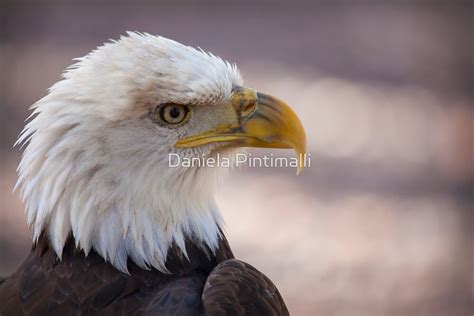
121 200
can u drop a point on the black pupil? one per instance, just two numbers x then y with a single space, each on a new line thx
175 112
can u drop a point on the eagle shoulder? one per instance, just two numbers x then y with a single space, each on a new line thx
235 287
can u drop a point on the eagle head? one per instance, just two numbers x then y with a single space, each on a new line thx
97 162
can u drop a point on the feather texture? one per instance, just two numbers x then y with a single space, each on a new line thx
208 284
95 166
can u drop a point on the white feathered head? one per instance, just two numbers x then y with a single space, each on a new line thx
96 165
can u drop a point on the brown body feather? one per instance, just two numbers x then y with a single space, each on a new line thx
207 284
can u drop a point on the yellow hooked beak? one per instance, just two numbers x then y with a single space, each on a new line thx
261 121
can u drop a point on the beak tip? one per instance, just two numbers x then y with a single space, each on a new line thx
301 159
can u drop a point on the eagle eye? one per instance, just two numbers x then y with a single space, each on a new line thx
173 114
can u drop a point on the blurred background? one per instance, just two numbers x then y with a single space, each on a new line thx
382 221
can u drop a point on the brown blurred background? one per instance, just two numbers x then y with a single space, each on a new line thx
382 222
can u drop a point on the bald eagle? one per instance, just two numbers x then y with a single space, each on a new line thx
115 229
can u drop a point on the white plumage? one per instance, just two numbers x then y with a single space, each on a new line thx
96 168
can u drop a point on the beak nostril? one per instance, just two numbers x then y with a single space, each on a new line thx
244 100
248 108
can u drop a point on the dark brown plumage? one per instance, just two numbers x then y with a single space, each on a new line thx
208 284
